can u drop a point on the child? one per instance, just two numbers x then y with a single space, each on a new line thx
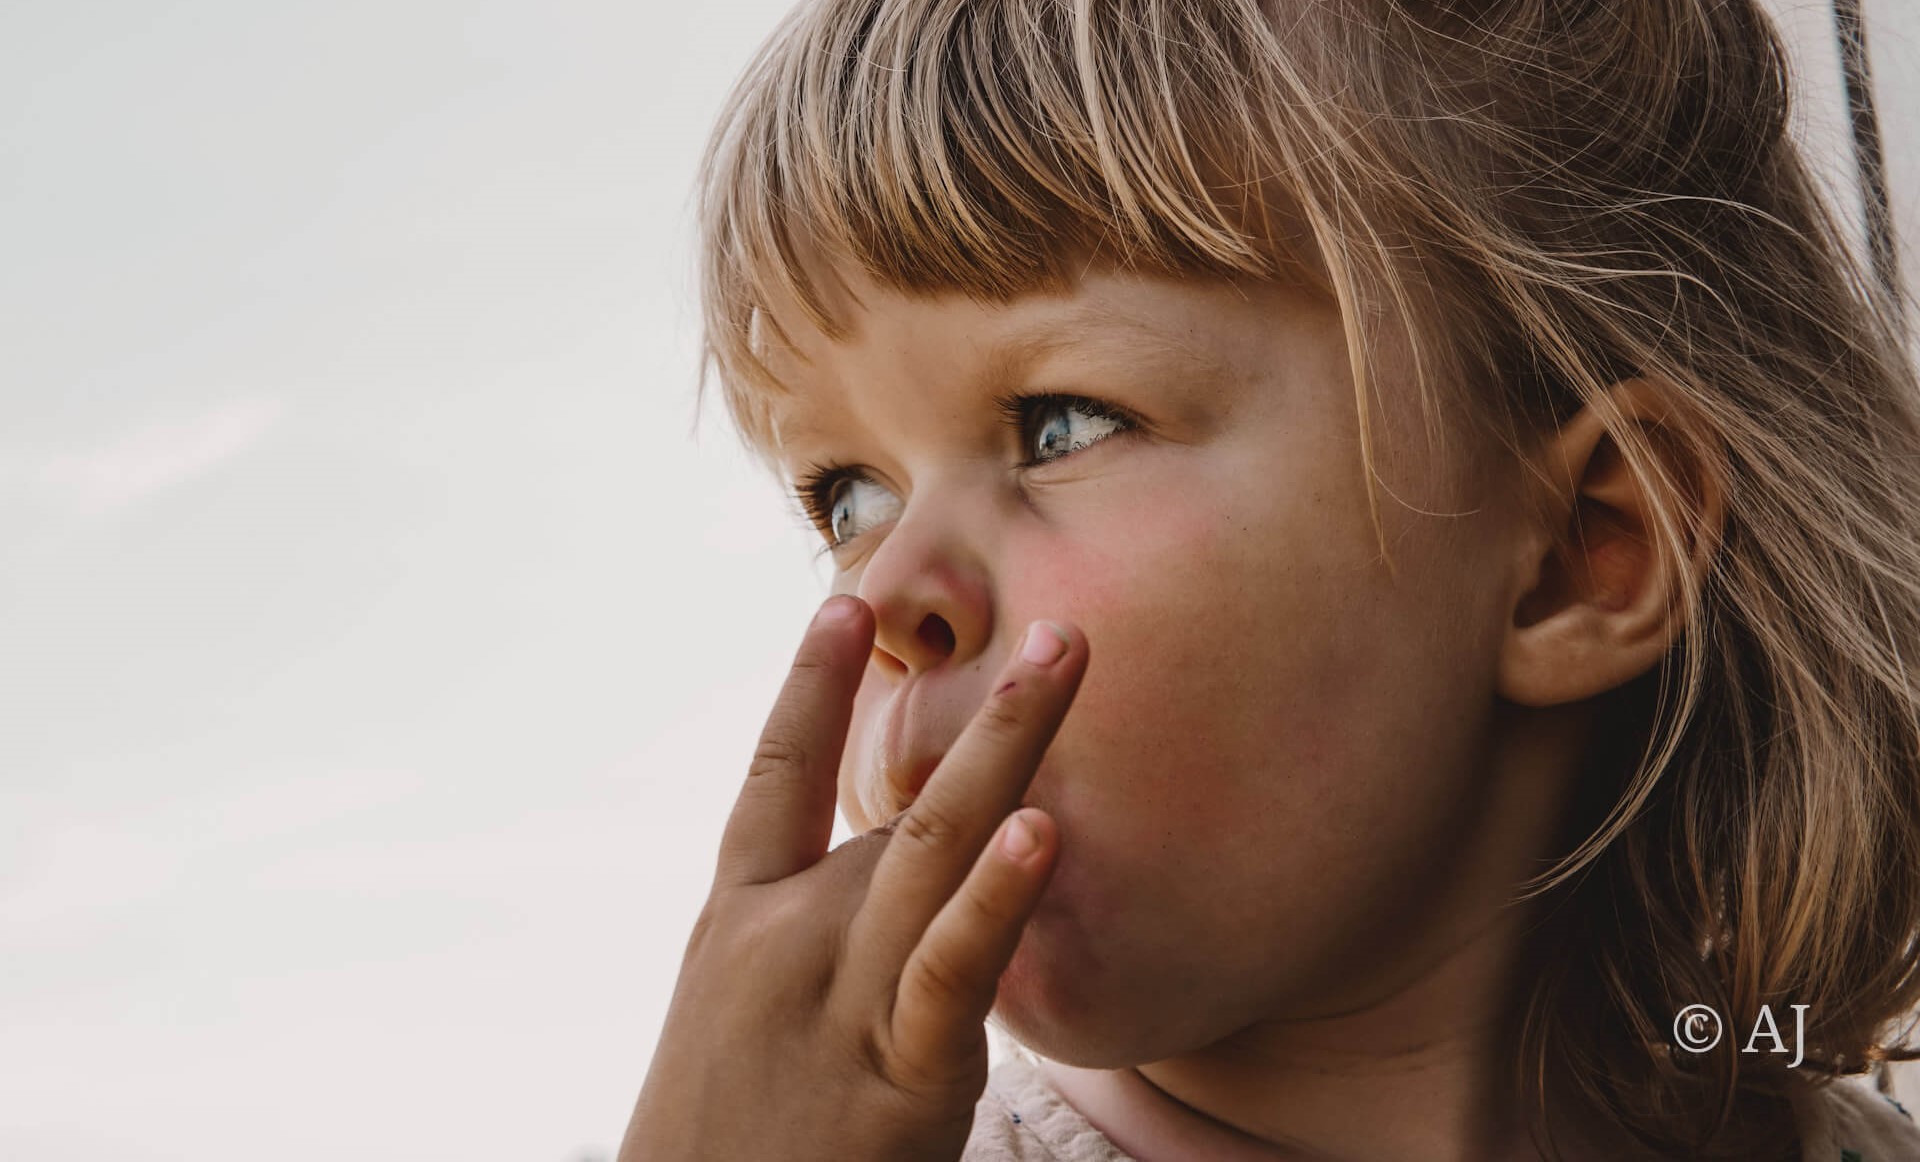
1382 595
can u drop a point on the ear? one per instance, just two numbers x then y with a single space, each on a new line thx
1600 591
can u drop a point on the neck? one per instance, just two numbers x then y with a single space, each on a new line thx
1426 1072
1423 1073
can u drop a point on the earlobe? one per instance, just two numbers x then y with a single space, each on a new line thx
1601 593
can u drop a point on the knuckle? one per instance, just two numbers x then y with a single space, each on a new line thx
783 742
785 935
986 911
739 922
903 1075
881 1058
812 668
939 980
779 749
785 915
927 824
1003 716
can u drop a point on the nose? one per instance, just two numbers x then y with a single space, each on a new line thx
929 591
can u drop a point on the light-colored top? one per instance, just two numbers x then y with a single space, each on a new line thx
1022 1118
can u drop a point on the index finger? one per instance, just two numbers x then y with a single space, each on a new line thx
783 819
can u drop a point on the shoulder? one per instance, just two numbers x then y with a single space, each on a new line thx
1020 1118
1849 1120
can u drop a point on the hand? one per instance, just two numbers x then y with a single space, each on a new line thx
832 1005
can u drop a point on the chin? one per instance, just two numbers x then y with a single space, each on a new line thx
1061 995
1058 999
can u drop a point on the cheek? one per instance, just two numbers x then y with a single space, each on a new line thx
1193 623
1125 561
1233 652
1270 750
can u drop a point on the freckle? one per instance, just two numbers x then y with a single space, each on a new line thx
1007 687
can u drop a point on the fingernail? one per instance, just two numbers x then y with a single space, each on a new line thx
1018 841
836 608
1046 644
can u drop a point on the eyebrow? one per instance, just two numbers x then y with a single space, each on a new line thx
1086 326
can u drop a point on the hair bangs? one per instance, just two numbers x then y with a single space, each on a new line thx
985 147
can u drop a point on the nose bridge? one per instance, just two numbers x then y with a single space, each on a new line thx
928 582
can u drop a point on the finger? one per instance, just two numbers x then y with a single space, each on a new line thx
783 818
978 783
949 983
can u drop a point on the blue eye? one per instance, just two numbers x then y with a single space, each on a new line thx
1067 423
853 500
844 501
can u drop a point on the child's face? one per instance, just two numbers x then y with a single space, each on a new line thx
1284 773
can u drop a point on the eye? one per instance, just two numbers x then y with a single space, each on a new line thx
858 504
843 501
1053 424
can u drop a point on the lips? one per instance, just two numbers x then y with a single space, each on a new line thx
909 743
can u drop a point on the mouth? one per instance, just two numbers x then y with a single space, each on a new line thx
902 756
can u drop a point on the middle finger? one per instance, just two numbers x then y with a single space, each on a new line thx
936 841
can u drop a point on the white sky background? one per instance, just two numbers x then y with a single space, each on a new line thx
379 650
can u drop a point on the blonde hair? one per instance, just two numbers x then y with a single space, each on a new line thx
1549 196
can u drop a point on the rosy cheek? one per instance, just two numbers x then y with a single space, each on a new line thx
1158 601
1223 683
1143 572
1120 562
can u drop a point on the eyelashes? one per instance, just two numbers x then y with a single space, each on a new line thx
819 488
1019 411
814 493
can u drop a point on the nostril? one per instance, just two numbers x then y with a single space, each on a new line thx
936 634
